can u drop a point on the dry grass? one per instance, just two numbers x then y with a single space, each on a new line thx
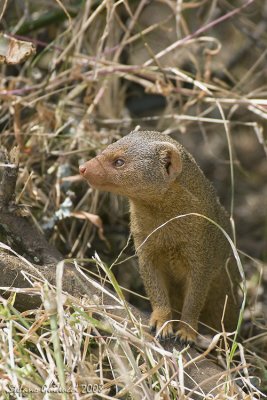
99 69
63 350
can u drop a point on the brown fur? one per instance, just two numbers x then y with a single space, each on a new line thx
182 263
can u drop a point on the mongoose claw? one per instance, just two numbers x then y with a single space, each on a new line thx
162 334
186 336
185 342
165 333
159 324
152 329
165 338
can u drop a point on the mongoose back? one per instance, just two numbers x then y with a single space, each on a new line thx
182 256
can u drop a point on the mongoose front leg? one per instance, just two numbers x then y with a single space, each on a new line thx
195 297
158 295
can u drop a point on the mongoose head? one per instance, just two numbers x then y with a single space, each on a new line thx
141 165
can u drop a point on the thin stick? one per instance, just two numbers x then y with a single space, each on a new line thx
204 28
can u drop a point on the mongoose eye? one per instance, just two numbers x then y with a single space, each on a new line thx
119 162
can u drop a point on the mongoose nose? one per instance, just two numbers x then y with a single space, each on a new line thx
82 169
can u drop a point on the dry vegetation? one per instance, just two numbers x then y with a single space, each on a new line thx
193 69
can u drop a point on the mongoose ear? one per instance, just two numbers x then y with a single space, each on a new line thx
170 155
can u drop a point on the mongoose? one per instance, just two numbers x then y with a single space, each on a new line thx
183 262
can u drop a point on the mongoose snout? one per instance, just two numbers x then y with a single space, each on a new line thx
183 258
82 169
94 173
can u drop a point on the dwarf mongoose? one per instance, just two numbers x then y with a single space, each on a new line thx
183 261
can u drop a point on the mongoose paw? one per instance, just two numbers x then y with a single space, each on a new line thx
165 336
186 336
158 324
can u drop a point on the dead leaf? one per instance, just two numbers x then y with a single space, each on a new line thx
14 51
95 219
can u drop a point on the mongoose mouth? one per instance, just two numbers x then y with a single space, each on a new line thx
107 187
